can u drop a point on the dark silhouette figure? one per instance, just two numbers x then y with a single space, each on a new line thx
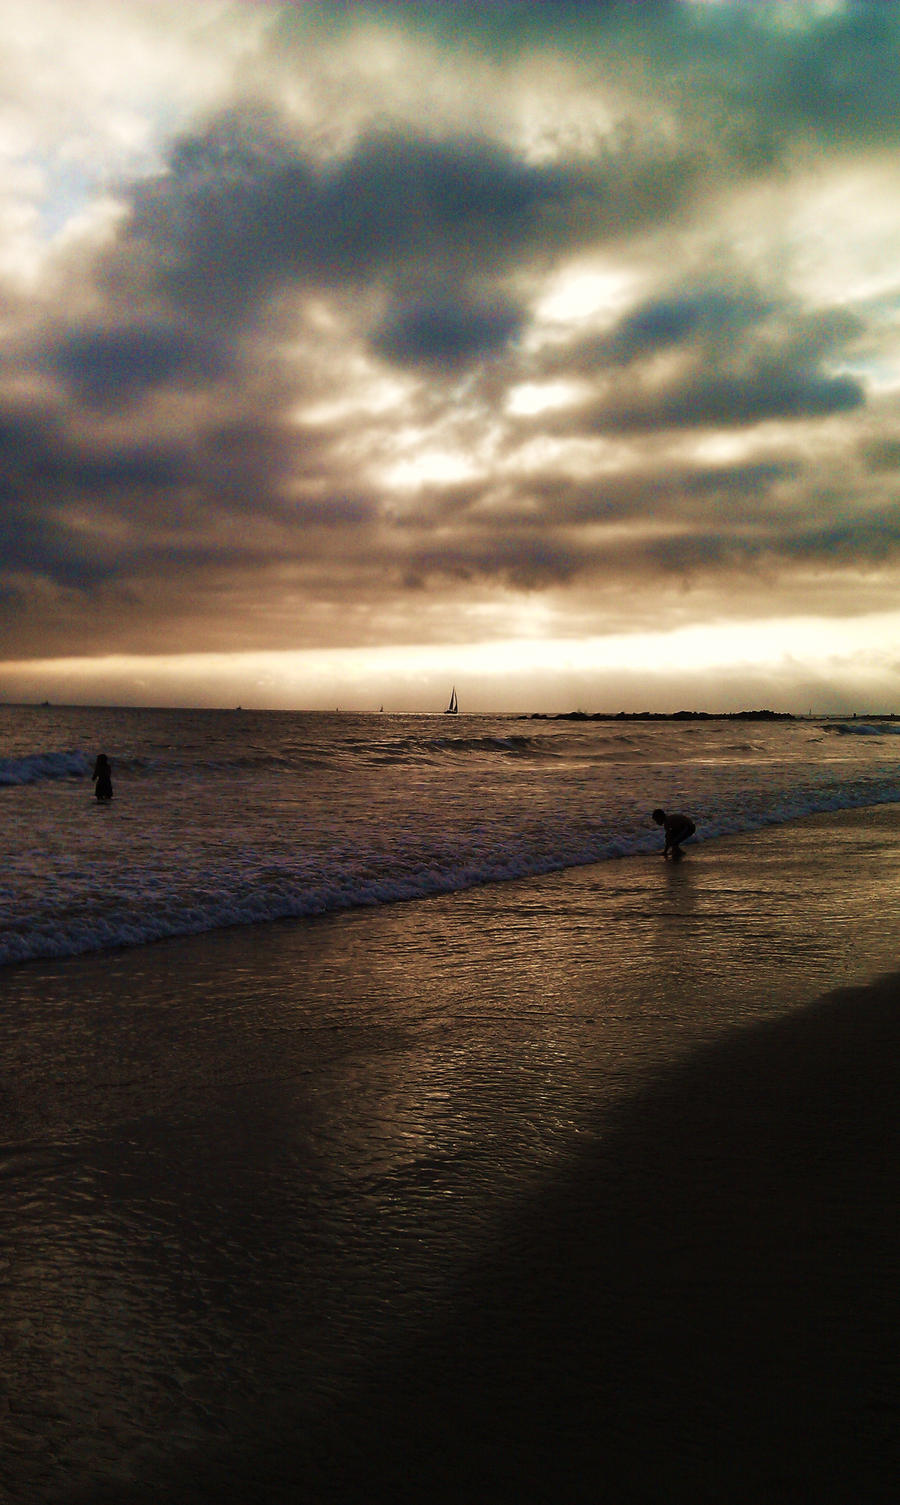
102 777
677 828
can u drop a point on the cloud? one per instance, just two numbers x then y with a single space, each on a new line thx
242 214
241 210
770 390
112 367
441 333
882 455
528 562
734 360
841 74
270 396
682 318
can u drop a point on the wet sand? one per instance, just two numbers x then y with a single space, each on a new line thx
576 1189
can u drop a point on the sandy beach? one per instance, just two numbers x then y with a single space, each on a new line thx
574 1188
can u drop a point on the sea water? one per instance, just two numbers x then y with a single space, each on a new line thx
261 1190
237 817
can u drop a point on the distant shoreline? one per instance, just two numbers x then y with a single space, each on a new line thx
703 716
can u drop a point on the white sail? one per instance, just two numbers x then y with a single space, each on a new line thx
453 707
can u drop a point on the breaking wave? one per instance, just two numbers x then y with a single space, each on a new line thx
36 768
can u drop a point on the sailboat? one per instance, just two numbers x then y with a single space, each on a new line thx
453 707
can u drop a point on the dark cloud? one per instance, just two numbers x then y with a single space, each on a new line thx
143 539
742 360
527 563
882 455
726 492
80 507
145 471
716 324
734 400
447 334
711 524
520 9
242 211
860 541
71 512
341 510
868 537
770 70
26 438
842 74
42 464
506 25
680 319
108 368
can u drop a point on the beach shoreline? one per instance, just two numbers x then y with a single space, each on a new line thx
570 1188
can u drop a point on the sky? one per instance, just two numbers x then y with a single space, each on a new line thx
350 351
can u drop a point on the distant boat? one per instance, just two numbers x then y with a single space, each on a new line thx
453 707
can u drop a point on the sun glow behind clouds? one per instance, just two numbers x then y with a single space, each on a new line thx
443 466
498 675
579 292
531 398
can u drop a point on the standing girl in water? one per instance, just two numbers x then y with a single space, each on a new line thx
102 777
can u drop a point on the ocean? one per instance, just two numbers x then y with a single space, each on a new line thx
236 817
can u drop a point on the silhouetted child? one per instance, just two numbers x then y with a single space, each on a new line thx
102 777
678 828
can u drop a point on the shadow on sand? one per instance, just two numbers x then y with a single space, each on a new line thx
704 1307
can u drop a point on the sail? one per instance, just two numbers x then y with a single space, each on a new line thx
453 707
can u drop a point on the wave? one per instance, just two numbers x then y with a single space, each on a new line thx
36 768
866 728
513 744
350 748
282 891
156 903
